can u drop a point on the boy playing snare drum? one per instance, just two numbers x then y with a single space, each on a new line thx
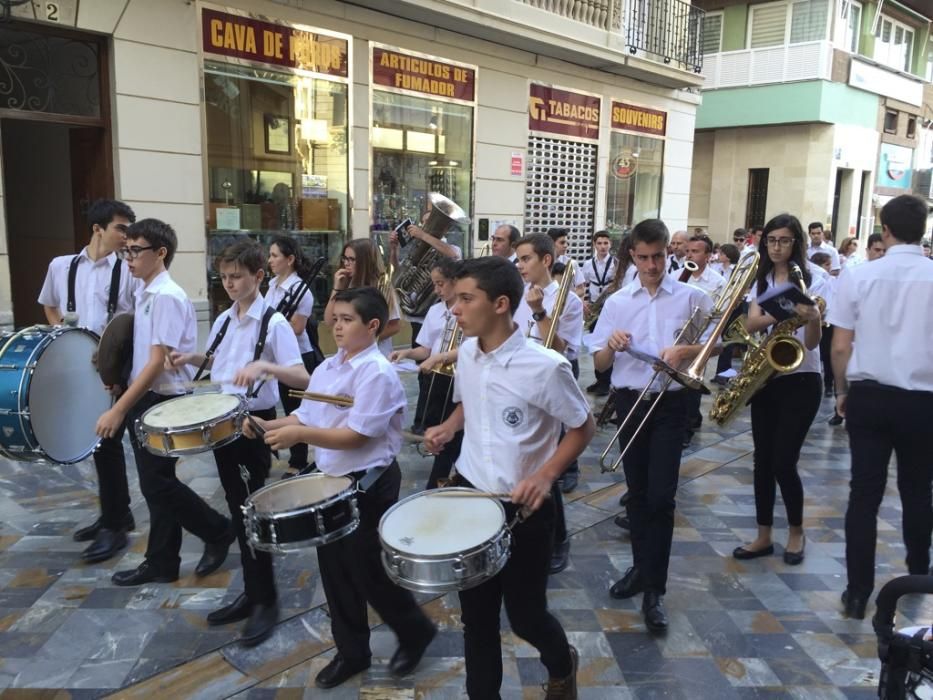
248 340
360 441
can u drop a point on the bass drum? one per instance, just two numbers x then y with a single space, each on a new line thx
50 394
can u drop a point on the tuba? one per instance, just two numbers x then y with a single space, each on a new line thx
778 353
413 279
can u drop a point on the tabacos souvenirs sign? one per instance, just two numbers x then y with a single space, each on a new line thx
236 36
563 112
628 117
396 69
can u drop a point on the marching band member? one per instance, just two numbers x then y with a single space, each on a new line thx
784 409
883 362
817 244
503 241
625 273
598 269
93 286
519 396
647 315
678 247
559 236
164 322
248 340
360 442
289 267
431 352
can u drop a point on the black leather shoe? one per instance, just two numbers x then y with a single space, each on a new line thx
405 659
629 585
742 553
144 573
652 608
569 481
86 534
835 420
591 389
854 605
601 391
106 544
624 499
262 620
795 558
623 522
215 554
560 557
338 671
238 610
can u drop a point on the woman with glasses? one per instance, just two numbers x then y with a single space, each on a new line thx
784 409
360 267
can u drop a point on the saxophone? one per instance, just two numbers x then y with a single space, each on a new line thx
778 353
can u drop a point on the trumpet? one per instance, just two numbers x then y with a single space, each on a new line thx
691 377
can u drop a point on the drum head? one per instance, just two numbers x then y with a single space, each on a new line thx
66 396
193 410
299 492
435 523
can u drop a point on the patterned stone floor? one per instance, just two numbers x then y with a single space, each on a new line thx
738 630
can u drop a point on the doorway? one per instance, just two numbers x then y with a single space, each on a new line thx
51 173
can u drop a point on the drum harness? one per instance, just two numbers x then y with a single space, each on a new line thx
113 292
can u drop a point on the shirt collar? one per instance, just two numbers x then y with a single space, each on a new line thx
904 249
255 310
161 281
358 359
504 353
667 284
107 259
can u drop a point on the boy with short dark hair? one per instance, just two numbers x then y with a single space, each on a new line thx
560 236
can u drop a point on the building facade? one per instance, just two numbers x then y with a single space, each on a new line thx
328 120
812 107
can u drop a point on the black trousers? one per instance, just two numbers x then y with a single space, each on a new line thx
652 469
694 417
258 576
882 420
298 454
352 574
603 378
782 413
434 397
112 487
522 586
574 466
172 505
725 356
826 344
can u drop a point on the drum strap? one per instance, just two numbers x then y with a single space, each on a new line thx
370 477
112 294
218 339
260 346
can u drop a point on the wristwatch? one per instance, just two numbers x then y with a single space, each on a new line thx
539 316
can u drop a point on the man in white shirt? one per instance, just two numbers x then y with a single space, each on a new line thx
874 248
503 241
598 270
519 396
647 315
678 246
560 238
883 361
88 289
818 244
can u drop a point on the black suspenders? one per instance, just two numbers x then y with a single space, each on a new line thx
218 339
113 294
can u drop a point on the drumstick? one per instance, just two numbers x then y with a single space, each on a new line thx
344 401
474 494
205 382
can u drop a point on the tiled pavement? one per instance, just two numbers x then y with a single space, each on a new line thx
754 629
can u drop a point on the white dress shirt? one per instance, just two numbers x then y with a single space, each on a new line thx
164 316
385 345
237 348
598 274
828 248
653 321
274 296
709 281
433 331
569 326
578 277
519 395
92 288
811 358
674 263
888 304
378 410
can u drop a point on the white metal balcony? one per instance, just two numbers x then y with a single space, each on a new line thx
811 60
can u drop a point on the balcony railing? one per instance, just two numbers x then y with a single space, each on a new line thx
788 63
602 14
670 30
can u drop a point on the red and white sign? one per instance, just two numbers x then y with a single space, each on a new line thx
517 167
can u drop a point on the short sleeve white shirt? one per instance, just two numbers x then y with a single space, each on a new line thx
274 295
92 288
598 274
569 326
238 346
709 281
519 395
434 327
385 345
579 279
164 316
888 303
653 321
828 248
378 409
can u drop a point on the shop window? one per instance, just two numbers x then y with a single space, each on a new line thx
890 121
911 127
419 146
277 162
633 184
757 203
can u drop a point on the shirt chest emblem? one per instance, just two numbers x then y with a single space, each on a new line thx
513 416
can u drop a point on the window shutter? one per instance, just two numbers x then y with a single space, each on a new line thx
808 21
768 24
712 33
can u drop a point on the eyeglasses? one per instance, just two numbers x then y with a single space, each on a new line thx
780 242
132 252
344 258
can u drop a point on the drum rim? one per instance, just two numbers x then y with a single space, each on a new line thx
345 495
241 407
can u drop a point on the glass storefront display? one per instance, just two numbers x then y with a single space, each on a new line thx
277 149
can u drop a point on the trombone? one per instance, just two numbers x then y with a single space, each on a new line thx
692 377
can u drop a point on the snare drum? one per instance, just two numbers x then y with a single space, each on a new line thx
434 542
191 424
304 511
50 394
